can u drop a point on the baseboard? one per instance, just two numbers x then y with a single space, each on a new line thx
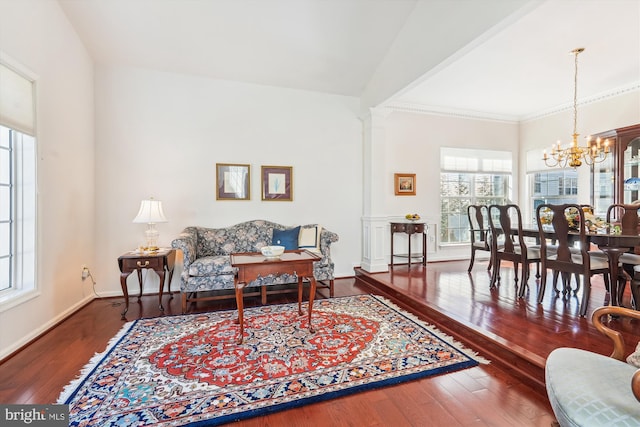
8 353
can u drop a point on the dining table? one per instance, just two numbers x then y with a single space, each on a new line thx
612 244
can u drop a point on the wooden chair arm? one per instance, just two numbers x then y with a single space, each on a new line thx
613 335
616 337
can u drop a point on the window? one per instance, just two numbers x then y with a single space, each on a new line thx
17 187
555 186
470 177
6 203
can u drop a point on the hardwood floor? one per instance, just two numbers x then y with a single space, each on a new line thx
497 394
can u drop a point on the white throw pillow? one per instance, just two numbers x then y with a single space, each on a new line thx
309 238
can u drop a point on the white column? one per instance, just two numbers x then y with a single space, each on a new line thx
375 224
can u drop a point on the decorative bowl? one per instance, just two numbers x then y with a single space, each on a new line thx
272 251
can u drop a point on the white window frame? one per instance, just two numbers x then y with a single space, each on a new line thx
23 179
471 163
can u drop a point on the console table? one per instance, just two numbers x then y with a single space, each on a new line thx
410 228
159 261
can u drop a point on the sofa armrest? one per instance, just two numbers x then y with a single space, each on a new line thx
326 238
187 243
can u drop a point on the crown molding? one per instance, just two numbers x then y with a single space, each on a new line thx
409 107
633 87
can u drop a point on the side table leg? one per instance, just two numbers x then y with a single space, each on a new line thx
125 291
170 278
239 287
424 249
161 276
391 260
139 271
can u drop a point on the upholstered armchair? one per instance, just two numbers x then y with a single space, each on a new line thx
590 389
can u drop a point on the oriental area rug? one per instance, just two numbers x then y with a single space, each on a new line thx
188 370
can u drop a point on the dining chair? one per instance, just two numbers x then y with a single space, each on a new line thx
626 215
566 259
508 243
479 232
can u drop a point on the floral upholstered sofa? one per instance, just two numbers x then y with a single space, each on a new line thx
207 262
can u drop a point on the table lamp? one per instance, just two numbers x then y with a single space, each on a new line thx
151 213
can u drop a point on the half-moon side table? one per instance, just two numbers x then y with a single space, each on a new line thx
410 228
160 261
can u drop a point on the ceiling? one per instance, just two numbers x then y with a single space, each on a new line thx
517 66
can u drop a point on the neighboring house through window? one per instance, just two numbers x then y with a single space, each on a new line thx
554 186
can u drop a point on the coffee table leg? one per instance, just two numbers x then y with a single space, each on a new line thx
300 313
312 294
239 287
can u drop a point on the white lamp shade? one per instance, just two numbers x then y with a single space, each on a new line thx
150 212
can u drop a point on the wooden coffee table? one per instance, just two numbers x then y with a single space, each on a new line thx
253 265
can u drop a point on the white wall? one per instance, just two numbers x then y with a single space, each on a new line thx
160 134
38 35
413 142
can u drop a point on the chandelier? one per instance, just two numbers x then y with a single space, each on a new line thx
595 151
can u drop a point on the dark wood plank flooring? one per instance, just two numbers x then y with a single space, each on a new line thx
497 394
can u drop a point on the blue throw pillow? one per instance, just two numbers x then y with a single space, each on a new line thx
287 238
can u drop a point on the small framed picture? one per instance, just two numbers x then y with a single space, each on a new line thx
233 182
277 183
405 184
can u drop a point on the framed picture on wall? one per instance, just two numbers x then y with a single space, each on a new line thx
277 183
233 182
405 184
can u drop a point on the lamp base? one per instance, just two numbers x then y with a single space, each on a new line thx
152 234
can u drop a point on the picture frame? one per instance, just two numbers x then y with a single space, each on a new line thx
405 184
233 181
277 183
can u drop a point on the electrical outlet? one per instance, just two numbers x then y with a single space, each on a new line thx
85 272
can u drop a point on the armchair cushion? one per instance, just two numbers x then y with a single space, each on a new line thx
589 389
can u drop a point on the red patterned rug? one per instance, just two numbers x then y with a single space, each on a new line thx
187 369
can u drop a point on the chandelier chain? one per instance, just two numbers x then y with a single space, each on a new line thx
575 92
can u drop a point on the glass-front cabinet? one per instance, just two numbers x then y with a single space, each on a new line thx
603 185
617 179
631 168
